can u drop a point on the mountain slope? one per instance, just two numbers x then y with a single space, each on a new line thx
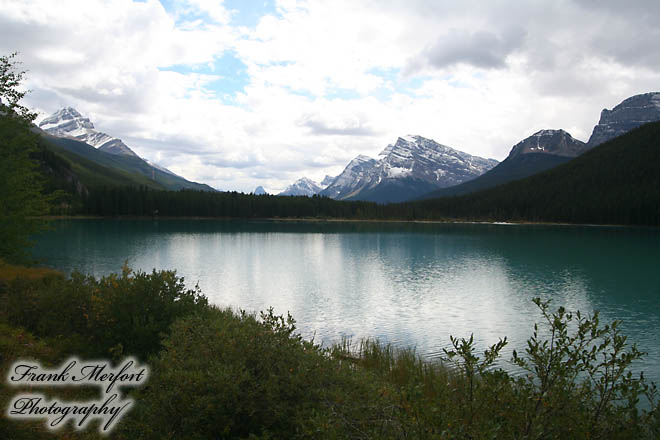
130 165
94 168
352 179
541 151
69 131
406 169
615 183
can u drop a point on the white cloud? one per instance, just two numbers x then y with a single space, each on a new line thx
329 80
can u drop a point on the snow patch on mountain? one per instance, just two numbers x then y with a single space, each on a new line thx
394 172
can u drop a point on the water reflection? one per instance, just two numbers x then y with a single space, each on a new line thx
409 284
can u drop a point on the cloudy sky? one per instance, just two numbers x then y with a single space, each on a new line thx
240 93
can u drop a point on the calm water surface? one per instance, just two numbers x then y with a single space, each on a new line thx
408 284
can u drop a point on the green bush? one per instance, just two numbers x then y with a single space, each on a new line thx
127 314
577 384
117 315
227 375
48 306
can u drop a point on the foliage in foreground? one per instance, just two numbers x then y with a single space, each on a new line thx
224 374
113 316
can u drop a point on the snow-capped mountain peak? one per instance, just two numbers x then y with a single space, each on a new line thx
66 119
68 122
411 138
309 187
409 167
302 187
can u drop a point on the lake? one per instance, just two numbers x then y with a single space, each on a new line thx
410 284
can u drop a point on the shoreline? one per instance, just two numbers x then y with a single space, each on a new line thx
339 220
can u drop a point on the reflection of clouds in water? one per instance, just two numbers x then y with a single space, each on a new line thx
407 288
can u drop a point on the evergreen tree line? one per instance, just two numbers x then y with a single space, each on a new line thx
142 201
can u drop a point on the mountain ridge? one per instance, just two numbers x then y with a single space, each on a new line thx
408 168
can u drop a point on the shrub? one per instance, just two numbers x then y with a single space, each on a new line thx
228 375
577 384
117 315
127 314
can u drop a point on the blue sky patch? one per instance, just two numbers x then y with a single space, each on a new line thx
248 13
243 13
230 70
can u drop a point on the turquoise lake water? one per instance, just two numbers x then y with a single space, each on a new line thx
407 284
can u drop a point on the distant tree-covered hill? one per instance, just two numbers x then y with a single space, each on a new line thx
617 182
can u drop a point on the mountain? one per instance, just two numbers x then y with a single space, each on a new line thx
543 150
616 182
69 134
67 122
407 169
631 113
327 180
302 187
349 181
552 142
259 191
306 187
